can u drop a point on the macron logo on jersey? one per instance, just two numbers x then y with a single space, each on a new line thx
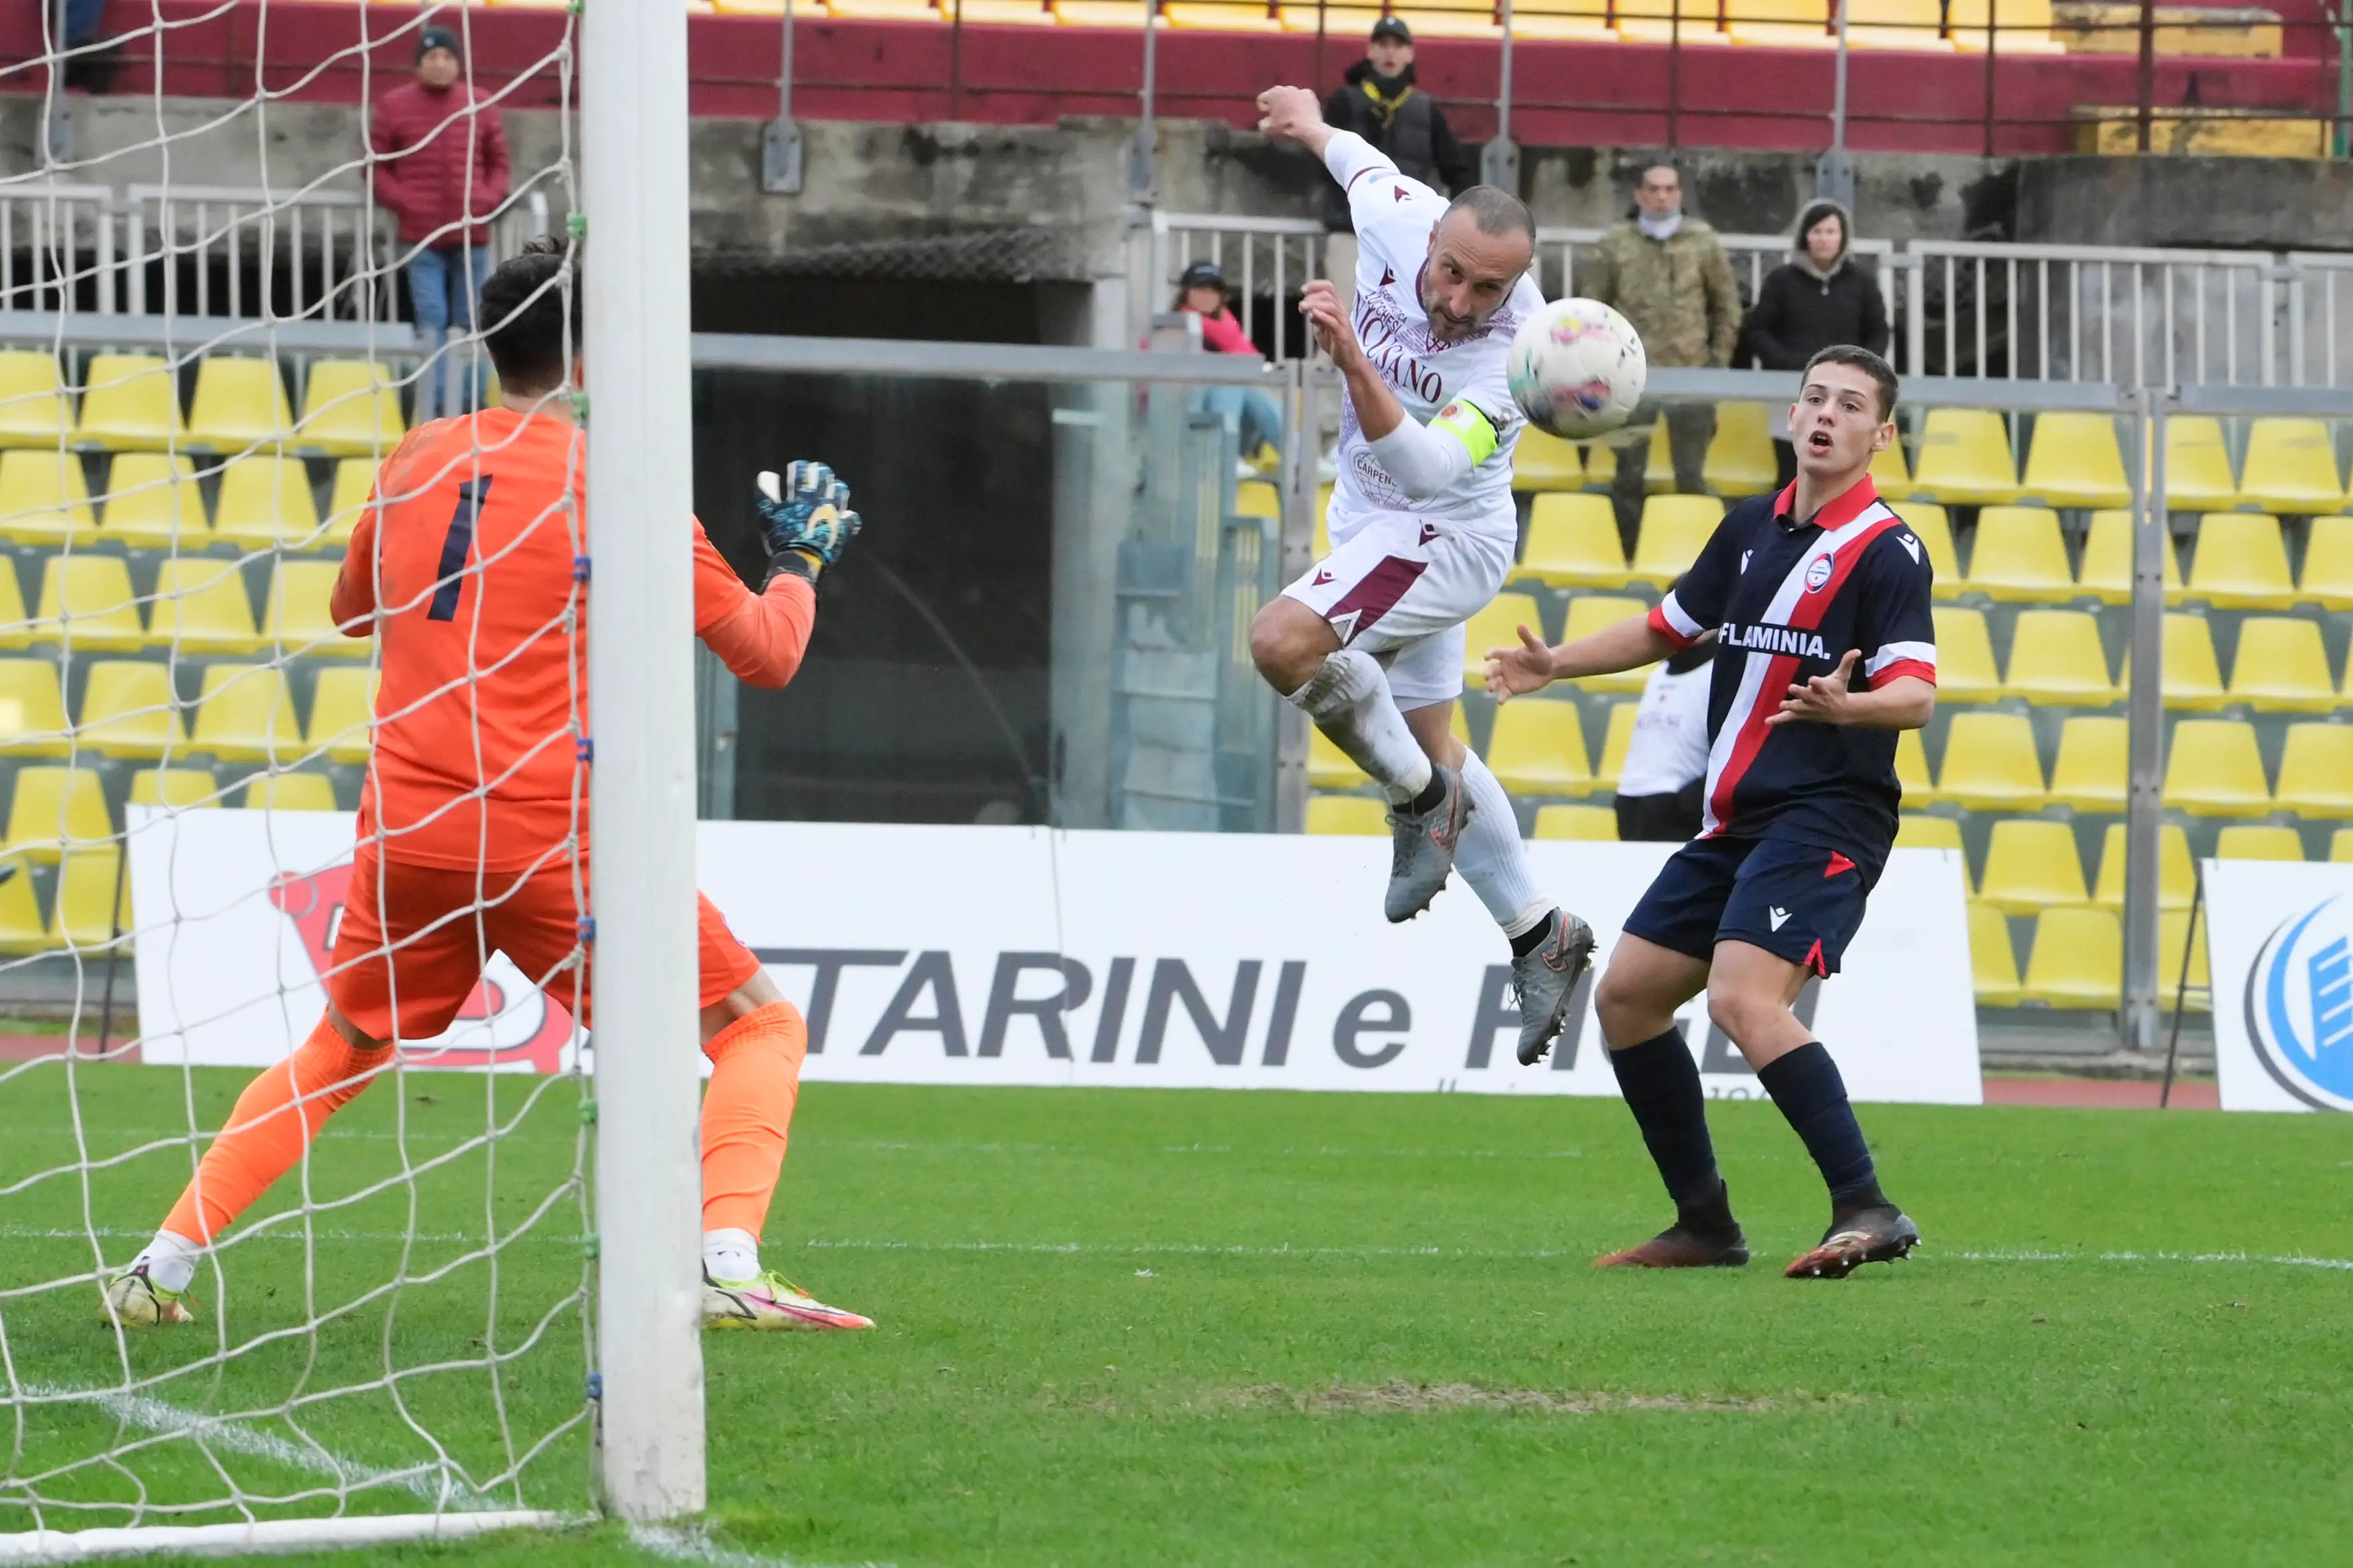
1773 639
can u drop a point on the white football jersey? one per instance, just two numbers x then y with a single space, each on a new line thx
1393 216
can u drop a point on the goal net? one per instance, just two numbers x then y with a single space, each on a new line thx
217 318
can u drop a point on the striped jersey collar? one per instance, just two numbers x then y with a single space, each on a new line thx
1849 505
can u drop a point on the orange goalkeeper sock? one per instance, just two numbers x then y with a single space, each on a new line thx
756 1076
276 1118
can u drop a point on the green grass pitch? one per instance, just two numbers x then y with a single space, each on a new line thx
1175 1327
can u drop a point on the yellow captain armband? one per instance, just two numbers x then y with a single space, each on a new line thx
1467 424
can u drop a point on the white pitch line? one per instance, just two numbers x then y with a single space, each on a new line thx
693 1546
152 1415
1100 1249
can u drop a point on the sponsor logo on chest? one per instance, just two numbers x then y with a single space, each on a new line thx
1773 639
1395 344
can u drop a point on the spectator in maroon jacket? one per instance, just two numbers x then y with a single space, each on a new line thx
441 168
1249 412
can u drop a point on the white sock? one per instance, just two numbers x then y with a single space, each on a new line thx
1350 701
730 1256
171 1260
1491 857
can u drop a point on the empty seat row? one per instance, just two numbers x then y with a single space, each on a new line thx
152 501
200 605
131 403
2213 767
244 713
1537 748
2076 959
2056 658
55 811
1964 458
2032 863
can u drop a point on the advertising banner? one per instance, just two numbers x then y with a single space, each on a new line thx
2280 945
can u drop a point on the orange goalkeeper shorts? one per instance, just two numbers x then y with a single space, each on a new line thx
419 935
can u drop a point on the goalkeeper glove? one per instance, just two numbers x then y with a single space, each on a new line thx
805 520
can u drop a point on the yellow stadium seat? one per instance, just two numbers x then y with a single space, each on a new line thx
2177 878
1964 666
1206 15
182 789
1538 748
2108 557
1497 626
2213 768
289 792
1329 767
128 710
2258 841
2172 939
1673 530
87 605
2340 846
1993 963
857 10
2093 764
1740 459
1573 542
1589 824
2316 769
1253 498
1912 769
2031 865
350 409
43 499
16 626
2075 460
1914 25
1614 743
57 809
247 714
2327 579
2055 658
21 929
1965 459
2019 27
201 608
297 619
2019 555
240 403
153 503
2291 467
1352 815
1127 15
1656 21
1890 475
347 498
1563 21
32 709
266 504
2240 562
2193 674
1990 763
1542 461
1779 23
131 404
1934 529
33 411
2196 465
93 900
1321 542
1590 613
1917 830
2077 960
2281 665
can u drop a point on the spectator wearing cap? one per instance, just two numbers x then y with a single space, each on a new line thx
440 168
1249 411
1380 103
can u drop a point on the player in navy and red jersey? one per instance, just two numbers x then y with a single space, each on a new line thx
1825 648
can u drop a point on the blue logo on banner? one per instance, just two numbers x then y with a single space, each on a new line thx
2299 1006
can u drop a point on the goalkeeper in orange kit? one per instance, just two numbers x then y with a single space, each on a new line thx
470 565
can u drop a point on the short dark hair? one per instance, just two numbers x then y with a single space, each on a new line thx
530 328
1882 373
1495 211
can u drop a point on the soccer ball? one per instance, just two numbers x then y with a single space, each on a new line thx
1577 369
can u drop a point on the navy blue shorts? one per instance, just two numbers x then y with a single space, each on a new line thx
1797 901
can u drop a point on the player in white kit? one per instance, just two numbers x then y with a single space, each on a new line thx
1369 643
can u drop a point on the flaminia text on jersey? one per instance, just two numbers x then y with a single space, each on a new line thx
1772 640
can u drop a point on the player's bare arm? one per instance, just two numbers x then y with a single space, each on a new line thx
1379 412
1530 666
1295 113
1908 702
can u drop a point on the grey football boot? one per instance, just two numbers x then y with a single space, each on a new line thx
1422 847
1543 980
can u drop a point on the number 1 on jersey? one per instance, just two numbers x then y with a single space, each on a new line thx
472 494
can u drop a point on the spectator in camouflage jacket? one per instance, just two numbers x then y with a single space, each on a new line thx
1666 273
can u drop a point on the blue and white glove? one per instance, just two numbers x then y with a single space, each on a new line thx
805 520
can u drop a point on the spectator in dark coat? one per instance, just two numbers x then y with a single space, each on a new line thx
1380 103
1819 297
441 168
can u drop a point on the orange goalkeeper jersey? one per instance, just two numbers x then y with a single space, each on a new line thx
468 564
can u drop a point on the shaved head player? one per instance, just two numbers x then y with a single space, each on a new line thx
465 566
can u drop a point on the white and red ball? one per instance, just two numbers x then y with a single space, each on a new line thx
1577 368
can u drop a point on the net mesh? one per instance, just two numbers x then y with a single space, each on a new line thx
198 381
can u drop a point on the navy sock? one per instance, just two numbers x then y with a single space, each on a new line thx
1660 1083
1806 1085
